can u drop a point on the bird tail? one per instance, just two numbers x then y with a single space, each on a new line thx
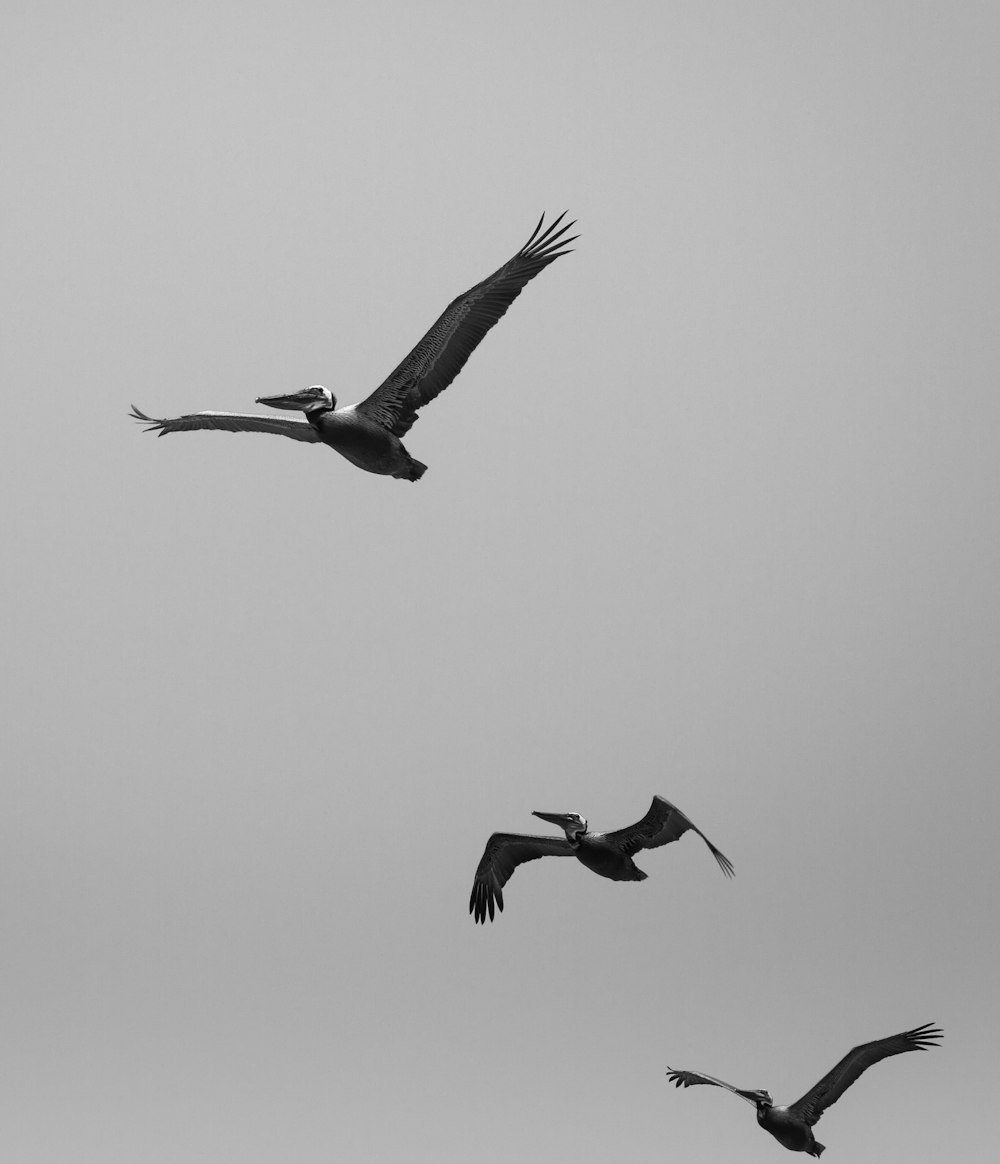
413 471
817 1149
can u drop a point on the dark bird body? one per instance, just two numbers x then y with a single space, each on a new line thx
606 854
370 434
605 859
792 1125
364 442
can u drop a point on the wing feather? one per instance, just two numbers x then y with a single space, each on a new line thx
503 853
693 1078
300 430
662 824
441 354
833 1085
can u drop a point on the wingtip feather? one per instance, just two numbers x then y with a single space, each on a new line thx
153 424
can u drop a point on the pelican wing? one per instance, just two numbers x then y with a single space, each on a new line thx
441 354
503 853
693 1078
661 825
300 430
833 1085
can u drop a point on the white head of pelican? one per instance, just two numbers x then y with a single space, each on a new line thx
315 398
572 823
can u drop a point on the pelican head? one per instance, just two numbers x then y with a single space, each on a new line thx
761 1098
573 823
313 399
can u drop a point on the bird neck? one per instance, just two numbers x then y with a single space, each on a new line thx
316 408
315 414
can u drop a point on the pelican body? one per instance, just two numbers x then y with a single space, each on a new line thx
364 442
595 850
787 1128
369 434
792 1124
606 854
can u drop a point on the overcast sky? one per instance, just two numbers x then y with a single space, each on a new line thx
712 514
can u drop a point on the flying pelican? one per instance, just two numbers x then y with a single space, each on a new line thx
607 854
368 434
792 1126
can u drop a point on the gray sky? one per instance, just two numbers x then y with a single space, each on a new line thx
712 514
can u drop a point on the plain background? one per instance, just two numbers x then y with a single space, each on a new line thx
712 514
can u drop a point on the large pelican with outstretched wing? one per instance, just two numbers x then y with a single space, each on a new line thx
792 1126
368 434
607 854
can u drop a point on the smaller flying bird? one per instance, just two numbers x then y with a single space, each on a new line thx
368 434
607 854
792 1126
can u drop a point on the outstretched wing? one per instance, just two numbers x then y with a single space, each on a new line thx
661 825
503 853
693 1078
288 426
441 354
833 1085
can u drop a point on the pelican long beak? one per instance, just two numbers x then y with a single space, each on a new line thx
294 400
556 818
